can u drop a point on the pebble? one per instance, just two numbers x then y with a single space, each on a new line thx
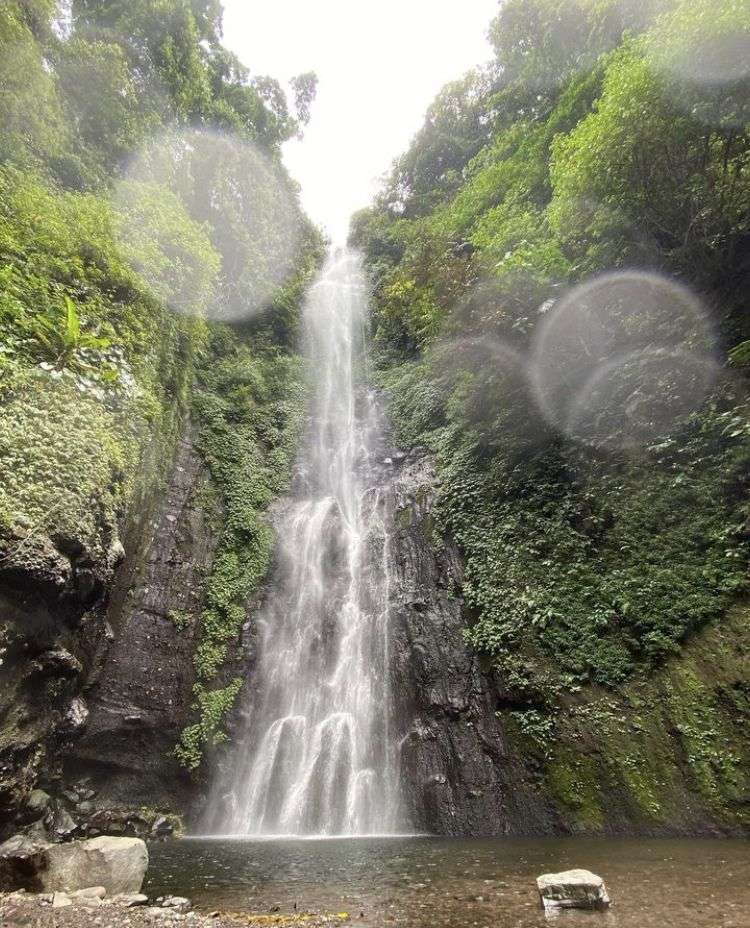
98 892
180 903
128 900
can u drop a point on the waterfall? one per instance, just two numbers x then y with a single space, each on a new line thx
316 756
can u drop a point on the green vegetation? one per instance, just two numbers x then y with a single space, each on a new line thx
94 372
591 432
598 496
249 404
142 197
180 619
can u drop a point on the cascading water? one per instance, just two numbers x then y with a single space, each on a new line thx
317 757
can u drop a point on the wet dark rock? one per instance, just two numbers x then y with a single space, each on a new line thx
61 824
69 545
38 802
57 663
77 621
34 564
139 823
140 695
21 859
162 827
457 774
87 584
111 821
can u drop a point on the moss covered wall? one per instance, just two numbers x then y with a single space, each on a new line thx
669 753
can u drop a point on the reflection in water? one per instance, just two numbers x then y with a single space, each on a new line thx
453 883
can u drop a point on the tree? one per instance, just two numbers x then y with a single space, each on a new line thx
304 88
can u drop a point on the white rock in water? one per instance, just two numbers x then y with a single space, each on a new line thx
117 864
573 889
60 900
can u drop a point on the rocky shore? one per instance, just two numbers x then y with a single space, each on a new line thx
60 910
98 882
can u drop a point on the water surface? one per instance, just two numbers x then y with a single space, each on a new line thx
425 882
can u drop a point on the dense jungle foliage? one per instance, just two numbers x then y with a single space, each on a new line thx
147 226
591 431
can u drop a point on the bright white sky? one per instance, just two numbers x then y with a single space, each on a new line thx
379 63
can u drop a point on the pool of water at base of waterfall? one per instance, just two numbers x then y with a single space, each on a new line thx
416 882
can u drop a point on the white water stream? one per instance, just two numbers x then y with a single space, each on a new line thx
317 757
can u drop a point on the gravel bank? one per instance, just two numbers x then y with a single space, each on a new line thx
25 909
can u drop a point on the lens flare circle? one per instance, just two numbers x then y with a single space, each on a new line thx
706 73
452 357
711 61
600 329
633 400
209 222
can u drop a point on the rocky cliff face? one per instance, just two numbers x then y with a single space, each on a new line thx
97 674
479 758
52 621
458 774
140 693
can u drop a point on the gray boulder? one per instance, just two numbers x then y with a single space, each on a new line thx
117 864
572 889
114 865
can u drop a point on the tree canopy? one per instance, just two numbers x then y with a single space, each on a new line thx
591 431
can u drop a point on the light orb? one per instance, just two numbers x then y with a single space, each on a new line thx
616 341
209 222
